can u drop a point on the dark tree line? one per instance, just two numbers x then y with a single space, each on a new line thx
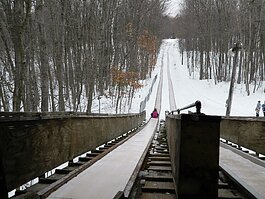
60 55
209 28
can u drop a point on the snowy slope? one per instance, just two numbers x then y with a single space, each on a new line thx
188 89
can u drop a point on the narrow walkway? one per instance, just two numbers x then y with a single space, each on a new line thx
251 175
110 174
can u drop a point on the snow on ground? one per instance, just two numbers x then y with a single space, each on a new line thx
213 97
188 89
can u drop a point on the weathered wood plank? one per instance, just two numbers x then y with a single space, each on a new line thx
193 142
158 196
158 186
30 148
246 132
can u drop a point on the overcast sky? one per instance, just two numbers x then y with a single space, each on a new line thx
173 7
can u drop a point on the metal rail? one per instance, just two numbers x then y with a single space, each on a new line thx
196 104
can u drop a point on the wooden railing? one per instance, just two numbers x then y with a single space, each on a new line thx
193 141
34 143
245 132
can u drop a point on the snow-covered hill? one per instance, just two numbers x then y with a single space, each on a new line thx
188 89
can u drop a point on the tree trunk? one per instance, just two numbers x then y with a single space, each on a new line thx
17 32
43 54
232 82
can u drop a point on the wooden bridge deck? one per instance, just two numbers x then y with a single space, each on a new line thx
110 174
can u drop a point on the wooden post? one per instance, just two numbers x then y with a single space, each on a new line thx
3 189
194 152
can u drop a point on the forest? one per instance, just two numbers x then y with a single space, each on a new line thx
58 55
224 40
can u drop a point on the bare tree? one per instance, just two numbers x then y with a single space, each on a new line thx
209 28
56 54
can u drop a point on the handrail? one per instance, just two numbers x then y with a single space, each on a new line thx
197 104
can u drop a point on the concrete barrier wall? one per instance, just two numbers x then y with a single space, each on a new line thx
246 132
194 151
31 147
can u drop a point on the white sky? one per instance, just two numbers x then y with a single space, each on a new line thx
173 7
